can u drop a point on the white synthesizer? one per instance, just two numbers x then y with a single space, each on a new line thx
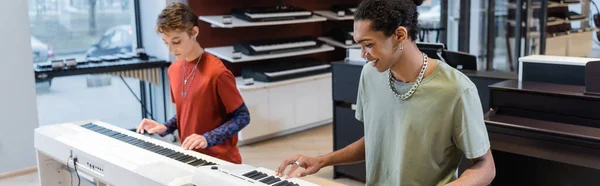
108 155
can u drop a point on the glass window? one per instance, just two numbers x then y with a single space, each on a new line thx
115 40
567 31
106 40
63 29
430 21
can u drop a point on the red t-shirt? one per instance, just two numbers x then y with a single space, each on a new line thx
211 94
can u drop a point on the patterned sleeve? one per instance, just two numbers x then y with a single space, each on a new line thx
171 126
240 118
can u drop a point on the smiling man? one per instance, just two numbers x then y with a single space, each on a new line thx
420 115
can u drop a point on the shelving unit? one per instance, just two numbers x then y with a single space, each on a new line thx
333 16
226 53
281 107
217 21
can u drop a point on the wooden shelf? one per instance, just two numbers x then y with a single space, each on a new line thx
227 51
333 16
217 21
333 42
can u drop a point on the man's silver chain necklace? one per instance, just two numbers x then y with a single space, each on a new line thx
414 87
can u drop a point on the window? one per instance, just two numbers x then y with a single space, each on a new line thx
567 31
63 29
430 21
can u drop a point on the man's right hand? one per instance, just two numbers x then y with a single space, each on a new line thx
352 153
311 165
151 127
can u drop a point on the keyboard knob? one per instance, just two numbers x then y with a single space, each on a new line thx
214 168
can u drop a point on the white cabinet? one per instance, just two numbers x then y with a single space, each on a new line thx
282 107
325 99
257 103
307 102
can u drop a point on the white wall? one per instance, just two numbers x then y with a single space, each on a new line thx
18 109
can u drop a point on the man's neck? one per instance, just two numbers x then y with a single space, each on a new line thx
408 67
196 53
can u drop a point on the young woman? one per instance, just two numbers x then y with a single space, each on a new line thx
209 109
420 116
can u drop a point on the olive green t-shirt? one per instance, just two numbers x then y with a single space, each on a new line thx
419 141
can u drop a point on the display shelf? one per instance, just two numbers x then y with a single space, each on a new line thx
333 42
226 53
217 21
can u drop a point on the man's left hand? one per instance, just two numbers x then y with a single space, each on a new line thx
194 141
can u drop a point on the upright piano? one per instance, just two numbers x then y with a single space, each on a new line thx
546 132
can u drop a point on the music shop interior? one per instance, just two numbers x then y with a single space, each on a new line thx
300 92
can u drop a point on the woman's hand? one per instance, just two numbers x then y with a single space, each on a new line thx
151 127
194 141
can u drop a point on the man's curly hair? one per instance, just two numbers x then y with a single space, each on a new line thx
388 15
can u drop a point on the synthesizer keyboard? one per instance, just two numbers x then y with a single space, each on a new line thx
261 47
149 146
115 155
276 13
285 69
238 175
575 16
108 155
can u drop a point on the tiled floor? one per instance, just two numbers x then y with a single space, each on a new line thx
268 154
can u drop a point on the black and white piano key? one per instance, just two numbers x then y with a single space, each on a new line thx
268 179
184 158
